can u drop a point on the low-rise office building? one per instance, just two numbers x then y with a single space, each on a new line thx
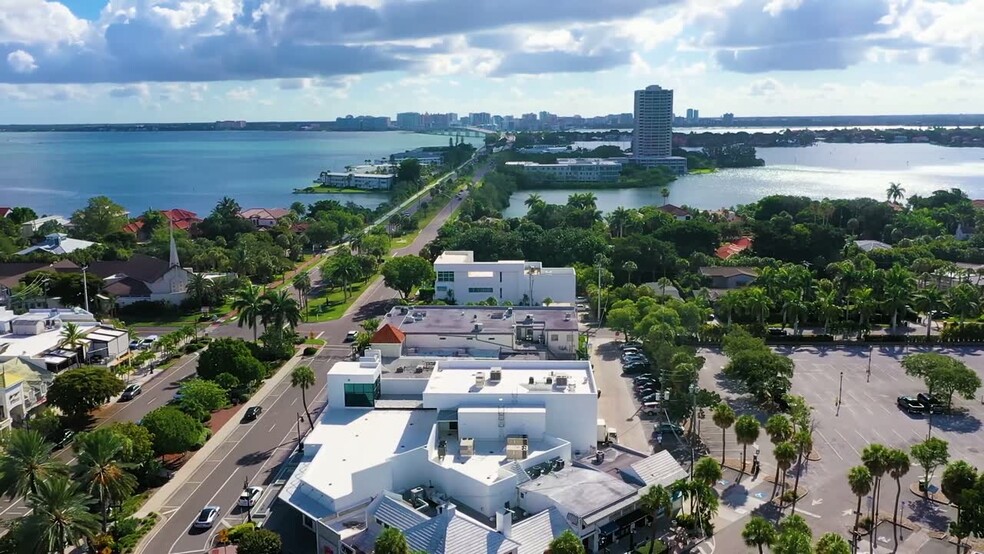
574 170
364 181
478 332
468 456
463 280
676 164
36 339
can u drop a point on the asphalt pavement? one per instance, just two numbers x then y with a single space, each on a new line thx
252 453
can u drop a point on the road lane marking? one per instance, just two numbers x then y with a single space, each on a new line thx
272 428
209 503
806 513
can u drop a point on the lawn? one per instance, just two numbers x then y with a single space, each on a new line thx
171 319
702 171
331 306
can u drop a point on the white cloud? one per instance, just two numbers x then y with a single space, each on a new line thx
21 61
241 94
39 22
134 90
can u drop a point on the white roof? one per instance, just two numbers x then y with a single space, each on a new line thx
29 345
659 469
581 491
454 533
459 376
869 245
353 440
456 257
62 246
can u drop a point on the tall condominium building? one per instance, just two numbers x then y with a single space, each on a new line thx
411 121
653 133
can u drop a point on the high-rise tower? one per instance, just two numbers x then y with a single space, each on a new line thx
653 133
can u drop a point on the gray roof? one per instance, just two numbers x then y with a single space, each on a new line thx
725 271
396 513
580 491
463 319
454 533
669 290
659 469
535 533
869 245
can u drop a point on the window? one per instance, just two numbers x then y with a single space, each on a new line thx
307 522
554 338
481 274
445 276
480 290
361 395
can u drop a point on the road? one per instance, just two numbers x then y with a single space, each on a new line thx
158 388
254 451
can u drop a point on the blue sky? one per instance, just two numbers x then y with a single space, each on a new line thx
203 60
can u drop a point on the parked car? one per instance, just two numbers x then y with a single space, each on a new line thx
97 359
644 380
207 517
777 332
350 336
626 360
636 367
652 398
130 392
148 341
250 496
64 439
667 427
940 314
252 413
933 403
650 407
134 344
911 405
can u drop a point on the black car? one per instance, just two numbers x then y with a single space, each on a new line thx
911 405
934 403
252 413
64 439
777 332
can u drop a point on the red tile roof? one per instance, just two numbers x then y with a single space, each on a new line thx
387 334
4 212
181 219
979 204
733 247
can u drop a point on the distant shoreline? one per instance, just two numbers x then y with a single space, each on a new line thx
334 190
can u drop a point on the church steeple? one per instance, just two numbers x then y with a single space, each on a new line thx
174 248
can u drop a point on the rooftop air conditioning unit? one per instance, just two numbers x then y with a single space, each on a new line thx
561 381
567 317
416 494
478 327
495 374
480 379
529 318
467 446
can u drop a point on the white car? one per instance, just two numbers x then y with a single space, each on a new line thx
250 496
350 336
207 517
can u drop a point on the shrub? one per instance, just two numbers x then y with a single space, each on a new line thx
192 347
310 351
236 532
963 332
125 527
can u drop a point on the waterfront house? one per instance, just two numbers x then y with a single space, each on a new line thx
58 243
182 220
676 211
28 228
734 247
264 218
5 211
361 181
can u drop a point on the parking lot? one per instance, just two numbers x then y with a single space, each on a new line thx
618 405
867 414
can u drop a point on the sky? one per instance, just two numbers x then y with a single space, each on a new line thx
118 61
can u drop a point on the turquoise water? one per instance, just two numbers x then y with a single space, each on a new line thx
820 171
55 173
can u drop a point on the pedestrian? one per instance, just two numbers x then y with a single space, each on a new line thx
659 438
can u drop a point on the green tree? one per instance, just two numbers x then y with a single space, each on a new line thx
747 432
201 290
803 440
72 336
260 541
22 214
832 543
931 454
136 441
302 284
779 430
80 390
174 431
100 217
404 273
409 171
860 480
370 325
707 471
958 478
964 300
101 467
895 192
205 394
279 311
875 458
391 541
655 501
898 466
232 356
785 455
566 543
247 301
724 417
623 319
27 460
759 532
928 300
942 375
60 517
303 378
629 267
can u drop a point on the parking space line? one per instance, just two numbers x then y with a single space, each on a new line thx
830 445
848 442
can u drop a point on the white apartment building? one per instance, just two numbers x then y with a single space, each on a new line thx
652 135
36 339
463 280
365 181
575 170
471 456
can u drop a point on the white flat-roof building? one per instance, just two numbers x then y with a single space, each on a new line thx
461 279
453 453
58 243
574 170
478 331
36 339
365 181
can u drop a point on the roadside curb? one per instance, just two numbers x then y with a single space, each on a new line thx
156 501
936 497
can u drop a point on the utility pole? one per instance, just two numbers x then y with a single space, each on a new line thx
599 265
249 501
871 350
840 391
85 287
300 445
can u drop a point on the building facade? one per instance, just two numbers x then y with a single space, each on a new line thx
575 170
364 181
652 135
463 280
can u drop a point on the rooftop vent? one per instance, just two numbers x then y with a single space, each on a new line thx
532 380
466 446
529 318
561 381
478 327
480 379
567 317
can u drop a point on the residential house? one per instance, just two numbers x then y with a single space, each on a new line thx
5 211
177 218
11 274
869 245
264 218
729 277
734 247
28 228
676 211
663 289
58 243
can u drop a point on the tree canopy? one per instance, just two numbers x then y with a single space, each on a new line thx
232 356
404 273
80 390
174 431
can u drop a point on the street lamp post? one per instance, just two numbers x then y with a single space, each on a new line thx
840 391
300 445
85 287
871 350
249 515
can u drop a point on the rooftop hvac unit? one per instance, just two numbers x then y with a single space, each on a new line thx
520 440
567 317
467 446
600 456
529 318
561 381
549 380
480 379
416 494
478 327
495 374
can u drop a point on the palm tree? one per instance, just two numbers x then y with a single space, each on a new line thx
583 201
618 219
779 430
27 460
803 439
200 288
928 300
534 199
629 268
100 467
707 471
246 301
656 500
860 481
344 267
60 516
665 193
747 431
728 303
302 284
785 455
370 325
757 303
864 303
898 466
279 310
724 417
964 300
794 307
875 458
759 532
895 192
302 376
832 543
72 336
